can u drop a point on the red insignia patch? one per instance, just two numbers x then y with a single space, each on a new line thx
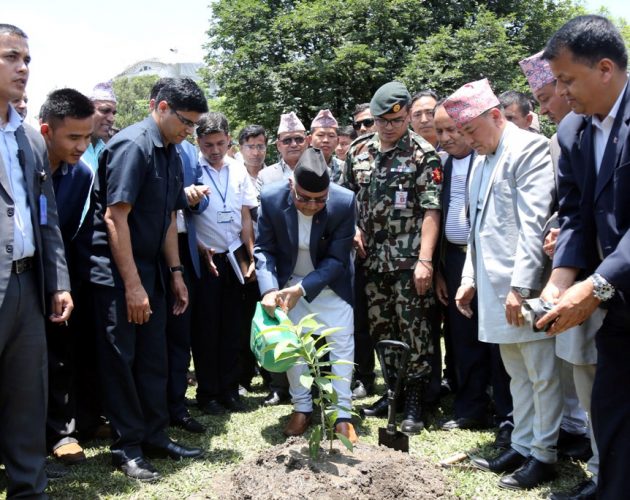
437 175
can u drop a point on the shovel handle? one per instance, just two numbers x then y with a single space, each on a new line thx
392 395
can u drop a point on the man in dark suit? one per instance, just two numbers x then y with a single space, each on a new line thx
303 263
592 256
32 268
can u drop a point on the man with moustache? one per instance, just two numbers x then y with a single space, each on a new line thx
291 143
589 60
362 119
105 103
477 363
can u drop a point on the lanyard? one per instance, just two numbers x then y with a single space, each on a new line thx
227 183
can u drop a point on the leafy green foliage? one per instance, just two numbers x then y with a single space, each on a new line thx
310 350
132 95
274 56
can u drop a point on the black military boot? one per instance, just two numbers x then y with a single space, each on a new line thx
412 423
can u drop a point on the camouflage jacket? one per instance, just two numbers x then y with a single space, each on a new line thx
412 167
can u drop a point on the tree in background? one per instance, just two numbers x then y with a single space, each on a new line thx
132 94
274 56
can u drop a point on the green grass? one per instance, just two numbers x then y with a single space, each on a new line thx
233 438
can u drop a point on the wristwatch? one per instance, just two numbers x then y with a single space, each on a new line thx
602 290
524 293
177 269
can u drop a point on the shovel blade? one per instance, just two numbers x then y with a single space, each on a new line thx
397 441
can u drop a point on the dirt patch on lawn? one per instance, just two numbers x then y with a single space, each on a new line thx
370 472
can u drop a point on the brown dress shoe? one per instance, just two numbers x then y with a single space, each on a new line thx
69 453
298 423
347 429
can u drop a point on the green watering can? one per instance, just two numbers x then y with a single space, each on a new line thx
258 343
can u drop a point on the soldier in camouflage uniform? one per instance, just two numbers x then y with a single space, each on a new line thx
397 177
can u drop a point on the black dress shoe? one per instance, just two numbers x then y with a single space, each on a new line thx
139 468
275 398
586 490
212 407
531 474
464 423
377 409
171 450
508 461
233 404
189 424
575 446
504 437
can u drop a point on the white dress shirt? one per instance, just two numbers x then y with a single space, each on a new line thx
23 236
230 190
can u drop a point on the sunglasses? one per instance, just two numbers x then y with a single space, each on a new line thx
288 140
367 123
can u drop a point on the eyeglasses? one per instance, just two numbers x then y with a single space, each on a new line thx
393 123
288 140
183 119
255 147
320 200
367 123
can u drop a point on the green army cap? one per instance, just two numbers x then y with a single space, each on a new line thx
390 98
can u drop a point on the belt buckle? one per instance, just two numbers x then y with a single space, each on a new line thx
22 265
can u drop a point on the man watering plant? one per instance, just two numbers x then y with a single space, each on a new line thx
303 264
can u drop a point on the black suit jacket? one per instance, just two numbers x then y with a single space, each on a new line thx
595 206
52 273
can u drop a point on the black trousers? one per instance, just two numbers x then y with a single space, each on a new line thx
363 342
23 388
610 405
61 418
477 364
178 331
217 320
88 387
246 359
133 368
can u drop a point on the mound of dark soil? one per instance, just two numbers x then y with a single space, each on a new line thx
370 472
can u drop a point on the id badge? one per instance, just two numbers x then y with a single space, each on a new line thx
400 200
224 217
43 210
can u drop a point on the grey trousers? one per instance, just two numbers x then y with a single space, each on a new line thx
584 375
23 388
537 397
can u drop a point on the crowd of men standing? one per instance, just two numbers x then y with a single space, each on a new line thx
422 201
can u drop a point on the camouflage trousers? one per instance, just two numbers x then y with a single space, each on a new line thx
397 312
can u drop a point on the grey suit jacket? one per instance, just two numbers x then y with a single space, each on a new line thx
516 206
269 175
50 266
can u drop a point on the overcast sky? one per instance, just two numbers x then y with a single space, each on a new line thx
80 43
